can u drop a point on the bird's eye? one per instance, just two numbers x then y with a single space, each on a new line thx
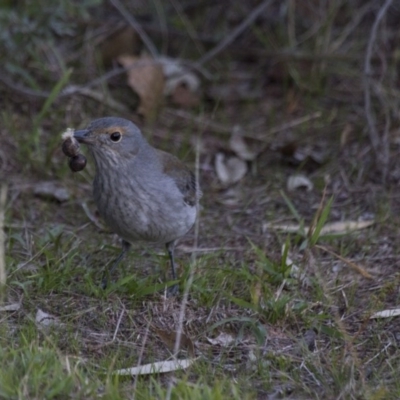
116 137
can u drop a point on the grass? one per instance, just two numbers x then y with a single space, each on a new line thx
257 329
249 295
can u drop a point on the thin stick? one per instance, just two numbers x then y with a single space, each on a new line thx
136 26
3 275
235 33
353 265
373 132
191 274
118 324
215 126
146 334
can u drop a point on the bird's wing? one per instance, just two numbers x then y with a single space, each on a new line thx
182 175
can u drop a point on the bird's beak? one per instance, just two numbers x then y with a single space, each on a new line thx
82 136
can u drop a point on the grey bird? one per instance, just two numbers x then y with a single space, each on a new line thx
142 193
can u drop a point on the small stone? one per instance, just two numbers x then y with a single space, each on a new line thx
77 163
70 147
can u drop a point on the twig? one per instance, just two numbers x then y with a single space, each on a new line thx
146 334
235 33
373 132
136 26
118 324
104 99
191 273
292 124
217 127
3 276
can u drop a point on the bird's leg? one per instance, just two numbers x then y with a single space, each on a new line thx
170 249
125 247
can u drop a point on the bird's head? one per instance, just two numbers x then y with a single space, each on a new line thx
111 139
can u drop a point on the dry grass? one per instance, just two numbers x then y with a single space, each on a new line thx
258 330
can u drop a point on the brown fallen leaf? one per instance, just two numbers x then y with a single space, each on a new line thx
169 339
182 96
124 40
146 78
345 134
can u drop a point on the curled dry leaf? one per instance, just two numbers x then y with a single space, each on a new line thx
229 169
177 75
299 181
146 78
157 367
223 339
239 146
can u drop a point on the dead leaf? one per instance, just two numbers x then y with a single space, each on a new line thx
386 314
146 78
176 74
341 227
239 146
51 190
183 97
169 338
229 169
309 157
11 307
157 367
299 181
45 320
122 42
344 136
223 339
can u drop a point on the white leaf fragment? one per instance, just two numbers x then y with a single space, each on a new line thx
176 74
45 320
51 190
223 339
386 313
229 170
340 227
157 367
299 181
239 146
11 307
